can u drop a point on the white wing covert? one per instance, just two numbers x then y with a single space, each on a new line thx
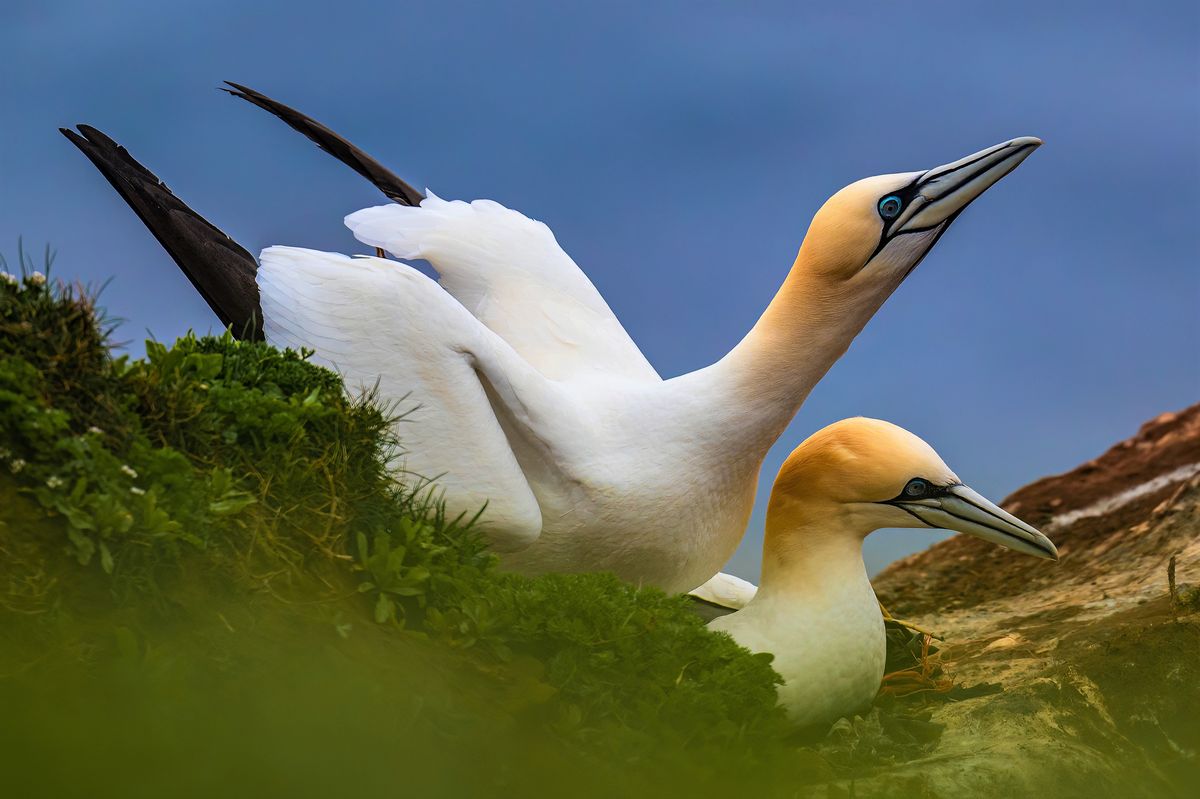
726 591
380 322
510 272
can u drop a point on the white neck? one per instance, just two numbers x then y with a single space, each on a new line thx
817 614
814 560
808 326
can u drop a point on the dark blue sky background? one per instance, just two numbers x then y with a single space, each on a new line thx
678 151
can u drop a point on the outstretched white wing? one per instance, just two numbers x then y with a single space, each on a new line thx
380 322
509 271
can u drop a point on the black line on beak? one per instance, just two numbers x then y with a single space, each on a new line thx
976 522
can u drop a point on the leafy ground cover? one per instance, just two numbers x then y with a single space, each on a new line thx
210 580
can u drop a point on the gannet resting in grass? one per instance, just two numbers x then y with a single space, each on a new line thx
529 395
815 610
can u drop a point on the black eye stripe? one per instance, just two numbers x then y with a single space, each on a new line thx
905 195
930 490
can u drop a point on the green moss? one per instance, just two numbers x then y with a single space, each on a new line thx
220 513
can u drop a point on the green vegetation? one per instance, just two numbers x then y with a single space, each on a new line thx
214 526
211 583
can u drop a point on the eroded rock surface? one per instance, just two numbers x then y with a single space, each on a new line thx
1099 661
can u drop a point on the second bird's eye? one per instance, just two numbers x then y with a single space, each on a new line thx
889 207
916 488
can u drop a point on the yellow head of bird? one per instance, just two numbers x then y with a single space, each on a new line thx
881 227
859 475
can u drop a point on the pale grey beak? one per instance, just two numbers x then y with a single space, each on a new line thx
964 510
944 191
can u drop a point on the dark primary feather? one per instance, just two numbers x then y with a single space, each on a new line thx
383 178
221 270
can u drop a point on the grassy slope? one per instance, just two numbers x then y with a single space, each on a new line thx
203 559
210 583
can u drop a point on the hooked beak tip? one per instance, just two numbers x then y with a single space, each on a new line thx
964 510
944 191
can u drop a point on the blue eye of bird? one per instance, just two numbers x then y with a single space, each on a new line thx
889 207
916 488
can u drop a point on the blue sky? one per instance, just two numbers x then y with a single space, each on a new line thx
678 151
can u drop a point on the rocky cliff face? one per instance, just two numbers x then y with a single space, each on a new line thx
1098 654
1105 517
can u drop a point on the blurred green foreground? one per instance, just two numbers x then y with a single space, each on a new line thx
210 585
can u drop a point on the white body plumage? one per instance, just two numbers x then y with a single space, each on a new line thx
527 394
606 472
816 611
828 639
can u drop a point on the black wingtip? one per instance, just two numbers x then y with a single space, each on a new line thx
85 135
238 89
384 179
221 271
90 132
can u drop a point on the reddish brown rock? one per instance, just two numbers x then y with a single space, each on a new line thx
1097 514
1099 661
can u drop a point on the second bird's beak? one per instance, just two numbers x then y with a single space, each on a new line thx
944 191
966 511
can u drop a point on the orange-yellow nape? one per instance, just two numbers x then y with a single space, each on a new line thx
860 475
846 230
857 460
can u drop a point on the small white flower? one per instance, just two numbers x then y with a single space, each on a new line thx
4 454
54 482
96 431
16 465
5 277
128 470
37 279
138 491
